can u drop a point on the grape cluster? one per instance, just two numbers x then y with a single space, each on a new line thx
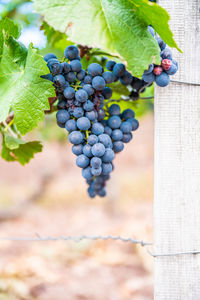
96 133
169 66
160 74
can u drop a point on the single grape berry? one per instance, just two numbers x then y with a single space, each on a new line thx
76 137
166 54
78 112
62 116
106 168
61 104
119 69
114 109
175 62
127 137
149 70
89 89
97 128
107 92
70 77
157 70
81 75
163 79
77 149
59 80
92 139
95 69
71 52
88 79
126 127
91 193
108 77
82 161
83 123
87 150
54 66
98 83
118 146
101 115
166 64
86 173
66 67
149 78
110 64
134 123
61 125
49 56
114 122
91 115
88 105
71 125
69 92
102 192
108 155
96 162
117 134
172 70
161 43
76 65
137 83
96 172
98 149
81 96
135 95
105 140
128 113
126 79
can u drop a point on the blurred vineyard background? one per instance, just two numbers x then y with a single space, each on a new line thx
48 197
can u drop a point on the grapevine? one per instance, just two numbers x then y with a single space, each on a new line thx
98 131
85 88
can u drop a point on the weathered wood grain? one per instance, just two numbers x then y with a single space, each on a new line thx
177 163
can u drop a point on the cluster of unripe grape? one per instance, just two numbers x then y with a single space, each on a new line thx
96 132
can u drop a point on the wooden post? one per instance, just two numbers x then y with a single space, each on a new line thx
177 162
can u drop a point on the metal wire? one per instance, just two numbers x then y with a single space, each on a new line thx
76 238
80 238
185 82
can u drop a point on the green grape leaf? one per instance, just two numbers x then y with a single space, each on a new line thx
11 142
110 25
53 36
153 14
22 88
7 28
5 153
14 149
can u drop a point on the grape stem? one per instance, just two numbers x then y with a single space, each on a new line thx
8 125
7 128
84 51
147 98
